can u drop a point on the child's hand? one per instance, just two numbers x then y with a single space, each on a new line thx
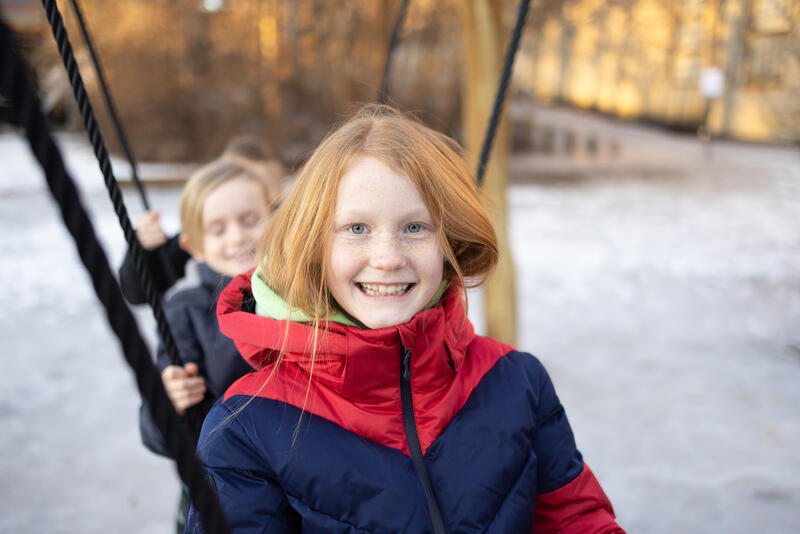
184 388
148 230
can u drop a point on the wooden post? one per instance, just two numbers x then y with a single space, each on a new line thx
484 38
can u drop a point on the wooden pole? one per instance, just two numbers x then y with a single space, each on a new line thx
483 39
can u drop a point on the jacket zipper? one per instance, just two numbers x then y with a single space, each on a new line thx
414 447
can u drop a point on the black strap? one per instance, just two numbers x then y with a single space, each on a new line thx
18 89
500 97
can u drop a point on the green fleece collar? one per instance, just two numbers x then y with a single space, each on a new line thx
270 304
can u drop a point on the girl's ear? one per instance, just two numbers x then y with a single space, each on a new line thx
184 243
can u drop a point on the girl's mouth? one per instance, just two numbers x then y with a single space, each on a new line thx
246 254
384 290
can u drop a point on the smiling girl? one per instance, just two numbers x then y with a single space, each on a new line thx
408 421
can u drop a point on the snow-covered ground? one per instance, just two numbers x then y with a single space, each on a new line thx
661 290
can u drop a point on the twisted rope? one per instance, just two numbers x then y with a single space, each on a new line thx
393 42
500 97
96 139
17 88
112 110
193 419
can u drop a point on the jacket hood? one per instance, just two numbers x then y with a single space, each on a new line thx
356 363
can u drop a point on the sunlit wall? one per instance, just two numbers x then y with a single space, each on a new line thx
645 59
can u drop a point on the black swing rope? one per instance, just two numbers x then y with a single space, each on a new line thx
161 254
193 419
499 99
101 153
502 89
16 87
112 110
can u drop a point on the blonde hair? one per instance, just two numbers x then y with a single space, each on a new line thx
202 183
294 249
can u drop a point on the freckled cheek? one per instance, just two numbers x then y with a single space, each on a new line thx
343 266
427 255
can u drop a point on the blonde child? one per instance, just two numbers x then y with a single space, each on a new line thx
165 258
224 208
375 407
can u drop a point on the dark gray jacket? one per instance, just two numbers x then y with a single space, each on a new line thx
192 317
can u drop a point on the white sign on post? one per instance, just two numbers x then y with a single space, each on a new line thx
712 82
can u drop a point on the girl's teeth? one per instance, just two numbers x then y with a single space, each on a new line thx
382 290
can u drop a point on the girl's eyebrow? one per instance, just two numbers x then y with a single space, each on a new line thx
357 213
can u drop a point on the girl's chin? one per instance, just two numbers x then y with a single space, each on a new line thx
384 317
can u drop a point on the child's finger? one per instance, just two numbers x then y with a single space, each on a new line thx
191 369
171 372
145 231
193 387
148 217
149 231
190 398
189 394
151 238
195 397
185 398
187 402
183 384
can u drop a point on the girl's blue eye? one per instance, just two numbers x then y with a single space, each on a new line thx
358 229
414 228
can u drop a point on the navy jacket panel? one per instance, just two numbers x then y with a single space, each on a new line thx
504 443
487 466
334 480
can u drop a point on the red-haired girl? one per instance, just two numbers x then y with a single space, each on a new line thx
375 407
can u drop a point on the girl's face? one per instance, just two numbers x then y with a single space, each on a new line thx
385 261
233 218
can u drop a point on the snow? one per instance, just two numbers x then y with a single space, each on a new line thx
660 289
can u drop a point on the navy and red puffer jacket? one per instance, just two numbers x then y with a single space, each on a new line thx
422 427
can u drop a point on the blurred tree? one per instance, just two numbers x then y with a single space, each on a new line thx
188 74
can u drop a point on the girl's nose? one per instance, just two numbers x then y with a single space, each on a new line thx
386 253
236 234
